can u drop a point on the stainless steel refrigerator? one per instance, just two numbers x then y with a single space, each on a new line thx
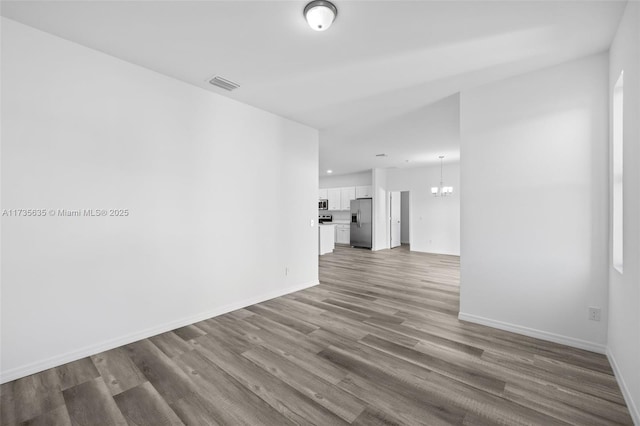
361 215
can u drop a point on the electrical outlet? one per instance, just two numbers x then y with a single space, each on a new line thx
594 313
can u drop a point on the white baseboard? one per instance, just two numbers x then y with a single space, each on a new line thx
631 405
532 332
436 252
36 367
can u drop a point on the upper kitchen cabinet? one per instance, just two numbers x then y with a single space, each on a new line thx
364 192
346 195
334 197
340 198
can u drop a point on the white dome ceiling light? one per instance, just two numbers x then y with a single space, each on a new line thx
320 14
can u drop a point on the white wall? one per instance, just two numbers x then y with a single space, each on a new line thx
199 173
624 289
380 225
534 180
420 135
435 221
352 179
405 217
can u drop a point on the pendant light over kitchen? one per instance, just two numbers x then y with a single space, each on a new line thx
320 14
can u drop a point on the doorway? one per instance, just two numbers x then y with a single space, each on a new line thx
404 218
395 218
398 218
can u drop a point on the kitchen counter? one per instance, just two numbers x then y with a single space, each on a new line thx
326 238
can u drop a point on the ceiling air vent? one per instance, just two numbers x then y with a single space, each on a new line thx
223 83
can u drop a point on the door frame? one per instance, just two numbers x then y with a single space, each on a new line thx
388 220
390 204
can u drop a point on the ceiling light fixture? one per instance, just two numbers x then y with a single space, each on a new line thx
320 14
441 190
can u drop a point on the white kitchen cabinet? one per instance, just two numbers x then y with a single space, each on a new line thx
326 239
343 234
346 195
333 195
364 191
340 198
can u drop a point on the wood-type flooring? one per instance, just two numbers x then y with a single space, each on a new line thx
378 342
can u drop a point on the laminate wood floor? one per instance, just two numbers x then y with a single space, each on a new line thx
378 342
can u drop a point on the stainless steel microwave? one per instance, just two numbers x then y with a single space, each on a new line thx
323 205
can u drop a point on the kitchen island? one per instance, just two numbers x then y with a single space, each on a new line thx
326 238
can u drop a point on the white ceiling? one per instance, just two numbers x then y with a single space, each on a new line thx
381 61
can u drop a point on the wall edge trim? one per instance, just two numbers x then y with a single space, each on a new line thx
532 332
631 405
45 364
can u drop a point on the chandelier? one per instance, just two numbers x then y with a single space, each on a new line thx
441 191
